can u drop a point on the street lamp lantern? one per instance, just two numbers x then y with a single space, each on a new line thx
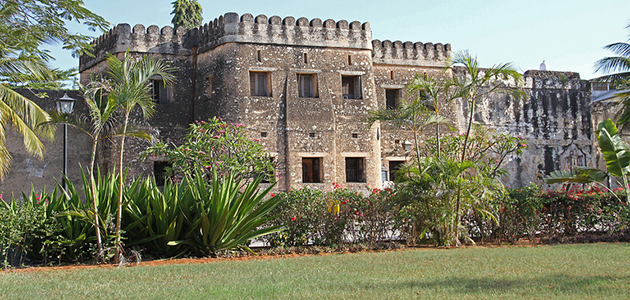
407 144
65 104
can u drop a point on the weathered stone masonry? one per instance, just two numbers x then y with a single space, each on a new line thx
305 87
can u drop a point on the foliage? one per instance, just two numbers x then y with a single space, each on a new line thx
187 14
27 230
331 218
24 26
616 154
130 88
223 217
216 146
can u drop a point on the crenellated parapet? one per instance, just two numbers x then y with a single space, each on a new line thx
137 40
408 53
288 31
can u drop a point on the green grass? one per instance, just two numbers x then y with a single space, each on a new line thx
565 271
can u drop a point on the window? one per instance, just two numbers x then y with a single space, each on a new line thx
351 87
394 167
350 60
258 56
305 58
160 93
311 168
259 84
307 85
160 171
391 98
391 74
355 169
600 86
312 134
355 135
263 134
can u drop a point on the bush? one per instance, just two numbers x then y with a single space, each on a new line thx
27 234
331 218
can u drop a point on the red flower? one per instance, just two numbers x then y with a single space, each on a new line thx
292 218
273 195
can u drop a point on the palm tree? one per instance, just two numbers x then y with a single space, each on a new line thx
474 85
131 88
434 96
618 70
477 84
22 114
102 122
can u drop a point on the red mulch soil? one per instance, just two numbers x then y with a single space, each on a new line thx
204 260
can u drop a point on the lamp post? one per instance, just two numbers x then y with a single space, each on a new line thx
65 105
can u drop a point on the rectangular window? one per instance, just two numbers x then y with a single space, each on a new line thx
160 169
351 87
311 169
391 98
394 167
259 84
159 92
307 85
355 167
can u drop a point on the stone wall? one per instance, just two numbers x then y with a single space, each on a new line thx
27 170
555 119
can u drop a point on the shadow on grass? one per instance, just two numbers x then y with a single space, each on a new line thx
559 283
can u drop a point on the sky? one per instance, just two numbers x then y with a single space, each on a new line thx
568 35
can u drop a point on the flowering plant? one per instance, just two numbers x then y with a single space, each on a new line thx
216 145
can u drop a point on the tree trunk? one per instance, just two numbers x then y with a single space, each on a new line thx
120 189
94 204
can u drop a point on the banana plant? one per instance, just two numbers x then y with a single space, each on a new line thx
616 155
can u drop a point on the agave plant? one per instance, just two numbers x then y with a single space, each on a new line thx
224 217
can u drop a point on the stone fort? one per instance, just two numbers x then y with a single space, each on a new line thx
305 87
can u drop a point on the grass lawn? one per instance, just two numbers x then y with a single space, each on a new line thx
595 271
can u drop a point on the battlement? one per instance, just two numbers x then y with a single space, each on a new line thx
275 30
408 53
230 28
122 38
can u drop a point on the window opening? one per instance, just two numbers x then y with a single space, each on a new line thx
160 169
259 56
394 169
263 134
305 58
311 168
391 98
350 60
312 134
355 135
355 169
159 92
307 85
259 84
351 87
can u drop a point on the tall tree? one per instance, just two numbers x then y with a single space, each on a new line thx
131 88
25 25
187 14
617 69
474 85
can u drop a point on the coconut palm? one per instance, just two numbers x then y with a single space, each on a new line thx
617 69
131 88
618 65
22 114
